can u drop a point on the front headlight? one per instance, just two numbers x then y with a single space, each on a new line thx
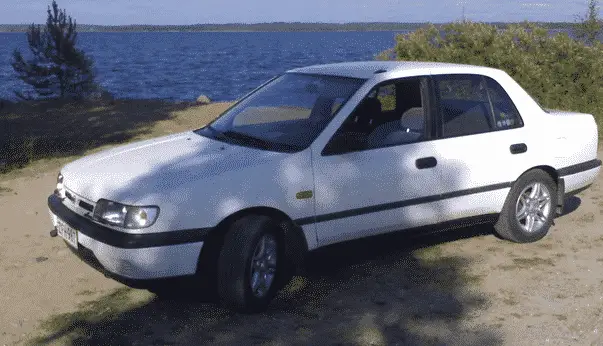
126 216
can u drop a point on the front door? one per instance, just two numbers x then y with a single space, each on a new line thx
378 172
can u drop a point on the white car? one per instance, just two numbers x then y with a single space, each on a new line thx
321 155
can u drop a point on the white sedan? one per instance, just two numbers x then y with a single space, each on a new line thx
321 155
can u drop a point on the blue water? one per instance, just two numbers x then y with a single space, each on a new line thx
181 66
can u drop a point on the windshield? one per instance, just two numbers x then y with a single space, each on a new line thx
286 114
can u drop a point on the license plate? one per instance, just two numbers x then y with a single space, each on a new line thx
67 233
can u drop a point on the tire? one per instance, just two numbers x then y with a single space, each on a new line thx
514 221
244 241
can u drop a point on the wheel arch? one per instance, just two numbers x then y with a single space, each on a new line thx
559 182
548 169
296 245
507 225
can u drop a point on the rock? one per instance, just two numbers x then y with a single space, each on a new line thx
101 95
203 100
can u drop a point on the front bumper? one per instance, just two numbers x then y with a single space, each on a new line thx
126 257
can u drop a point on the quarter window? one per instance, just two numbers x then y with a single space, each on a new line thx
505 113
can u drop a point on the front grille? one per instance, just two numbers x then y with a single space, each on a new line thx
87 206
70 196
77 203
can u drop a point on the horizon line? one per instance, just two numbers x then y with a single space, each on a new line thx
310 23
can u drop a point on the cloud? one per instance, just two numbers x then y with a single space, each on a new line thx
535 4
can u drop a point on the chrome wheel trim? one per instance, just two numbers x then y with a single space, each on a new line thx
263 265
533 207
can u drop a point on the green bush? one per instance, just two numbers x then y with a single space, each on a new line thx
558 71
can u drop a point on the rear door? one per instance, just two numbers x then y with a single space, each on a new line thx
481 146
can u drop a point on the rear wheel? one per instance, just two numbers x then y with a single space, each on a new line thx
529 209
251 265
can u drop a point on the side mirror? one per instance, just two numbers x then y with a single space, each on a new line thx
336 145
344 143
332 148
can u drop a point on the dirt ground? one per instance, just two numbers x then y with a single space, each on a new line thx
459 287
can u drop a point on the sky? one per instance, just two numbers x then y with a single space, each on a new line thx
118 12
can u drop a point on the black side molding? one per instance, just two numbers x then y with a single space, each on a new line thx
579 168
399 204
121 239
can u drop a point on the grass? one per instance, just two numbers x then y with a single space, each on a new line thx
48 134
103 309
435 256
91 311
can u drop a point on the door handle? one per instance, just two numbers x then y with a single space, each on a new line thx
518 148
426 162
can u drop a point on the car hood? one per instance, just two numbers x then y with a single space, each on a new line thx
129 173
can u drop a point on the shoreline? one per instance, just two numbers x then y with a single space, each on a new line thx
218 31
275 27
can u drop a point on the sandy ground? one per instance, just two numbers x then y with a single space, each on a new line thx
460 287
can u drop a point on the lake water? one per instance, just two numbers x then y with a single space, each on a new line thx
181 66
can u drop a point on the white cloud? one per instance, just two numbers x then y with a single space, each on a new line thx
535 4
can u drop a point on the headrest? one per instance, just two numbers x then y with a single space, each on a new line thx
413 118
370 106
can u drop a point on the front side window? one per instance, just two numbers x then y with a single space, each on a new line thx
286 114
393 113
473 104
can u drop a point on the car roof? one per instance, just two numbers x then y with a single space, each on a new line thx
368 69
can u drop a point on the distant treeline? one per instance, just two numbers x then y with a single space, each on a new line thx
278 26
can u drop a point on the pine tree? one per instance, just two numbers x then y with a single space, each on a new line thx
57 68
590 27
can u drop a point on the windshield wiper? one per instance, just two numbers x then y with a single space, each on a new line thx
245 137
216 133
228 136
259 142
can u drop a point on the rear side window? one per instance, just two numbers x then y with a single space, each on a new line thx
473 104
464 106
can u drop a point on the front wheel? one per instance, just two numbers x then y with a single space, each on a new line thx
251 264
529 209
